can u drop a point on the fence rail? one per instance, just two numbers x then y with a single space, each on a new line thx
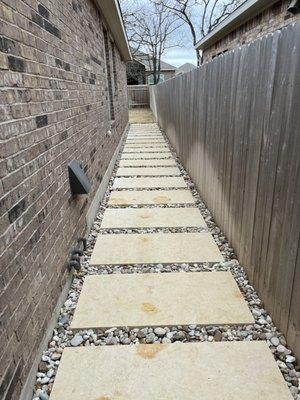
235 125
138 96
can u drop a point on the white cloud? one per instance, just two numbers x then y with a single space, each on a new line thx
180 55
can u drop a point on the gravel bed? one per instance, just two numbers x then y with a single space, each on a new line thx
262 329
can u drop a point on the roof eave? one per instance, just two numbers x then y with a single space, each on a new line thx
111 11
242 14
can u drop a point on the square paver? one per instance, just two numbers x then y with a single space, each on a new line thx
148 171
155 248
149 182
149 134
140 142
169 162
151 150
142 138
144 133
139 150
149 155
145 137
137 300
141 131
145 140
152 218
129 197
146 145
170 371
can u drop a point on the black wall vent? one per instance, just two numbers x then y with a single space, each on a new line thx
79 183
294 7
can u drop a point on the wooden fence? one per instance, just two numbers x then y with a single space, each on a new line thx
235 124
138 96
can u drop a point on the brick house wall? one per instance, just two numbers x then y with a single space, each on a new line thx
271 19
55 105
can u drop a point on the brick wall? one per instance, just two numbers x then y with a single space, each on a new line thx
271 19
54 107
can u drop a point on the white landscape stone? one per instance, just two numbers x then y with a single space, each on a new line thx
137 300
155 248
150 171
187 371
152 218
129 197
149 182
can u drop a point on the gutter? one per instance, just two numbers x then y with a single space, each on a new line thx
111 11
242 14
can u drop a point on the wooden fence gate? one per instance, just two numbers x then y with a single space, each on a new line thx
138 96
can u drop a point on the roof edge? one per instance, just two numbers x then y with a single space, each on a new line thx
111 11
242 14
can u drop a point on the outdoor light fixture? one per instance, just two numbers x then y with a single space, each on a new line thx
79 183
294 6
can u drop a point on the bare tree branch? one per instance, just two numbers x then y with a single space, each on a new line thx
200 16
151 30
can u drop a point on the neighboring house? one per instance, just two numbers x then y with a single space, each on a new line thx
187 67
251 20
63 98
140 70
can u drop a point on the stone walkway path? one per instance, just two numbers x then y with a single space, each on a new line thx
152 220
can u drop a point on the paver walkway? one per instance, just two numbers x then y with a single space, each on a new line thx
187 371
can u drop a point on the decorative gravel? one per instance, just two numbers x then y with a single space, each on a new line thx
263 329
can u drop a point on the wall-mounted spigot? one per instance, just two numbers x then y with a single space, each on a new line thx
83 241
74 264
75 254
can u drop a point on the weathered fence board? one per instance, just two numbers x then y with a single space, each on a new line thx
235 124
138 96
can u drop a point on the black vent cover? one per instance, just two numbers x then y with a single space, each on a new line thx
79 183
294 6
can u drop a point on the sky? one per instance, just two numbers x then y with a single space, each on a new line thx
185 52
176 56
180 55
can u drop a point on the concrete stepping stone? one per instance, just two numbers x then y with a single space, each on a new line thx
158 142
149 134
152 218
141 197
150 171
138 150
145 146
158 136
149 182
155 248
186 371
149 155
139 300
146 140
141 138
144 163
144 133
